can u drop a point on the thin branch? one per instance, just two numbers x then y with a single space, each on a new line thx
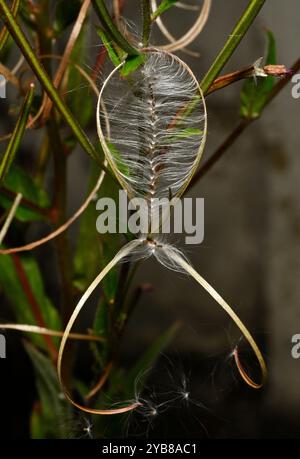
16 138
146 7
190 36
232 42
59 206
221 150
107 22
45 212
235 134
49 332
4 34
252 71
79 211
45 81
33 303
9 75
10 217
66 56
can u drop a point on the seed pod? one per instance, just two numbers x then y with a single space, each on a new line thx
155 143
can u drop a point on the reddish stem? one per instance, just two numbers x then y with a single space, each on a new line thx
34 304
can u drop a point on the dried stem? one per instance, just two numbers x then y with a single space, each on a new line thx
236 133
232 43
45 81
66 56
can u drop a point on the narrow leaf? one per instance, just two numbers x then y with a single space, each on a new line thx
53 407
39 311
4 34
46 82
132 63
164 6
18 181
109 47
16 138
255 91
110 27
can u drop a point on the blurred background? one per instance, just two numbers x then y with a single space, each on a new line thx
250 254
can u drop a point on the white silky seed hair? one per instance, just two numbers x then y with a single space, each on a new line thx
153 146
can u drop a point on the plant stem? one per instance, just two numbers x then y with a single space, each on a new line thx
110 27
16 138
66 55
60 204
45 81
4 34
232 43
45 212
35 307
234 135
242 126
42 162
251 71
146 7
42 19
10 217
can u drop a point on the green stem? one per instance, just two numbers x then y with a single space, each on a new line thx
17 135
228 142
146 21
110 27
60 205
241 127
4 34
232 43
45 81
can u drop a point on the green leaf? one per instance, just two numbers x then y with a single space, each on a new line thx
255 93
65 14
39 70
19 301
118 158
139 371
132 63
164 6
23 214
107 22
17 135
19 181
184 133
54 408
37 425
109 47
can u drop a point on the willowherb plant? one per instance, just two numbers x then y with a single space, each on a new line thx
152 145
152 126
